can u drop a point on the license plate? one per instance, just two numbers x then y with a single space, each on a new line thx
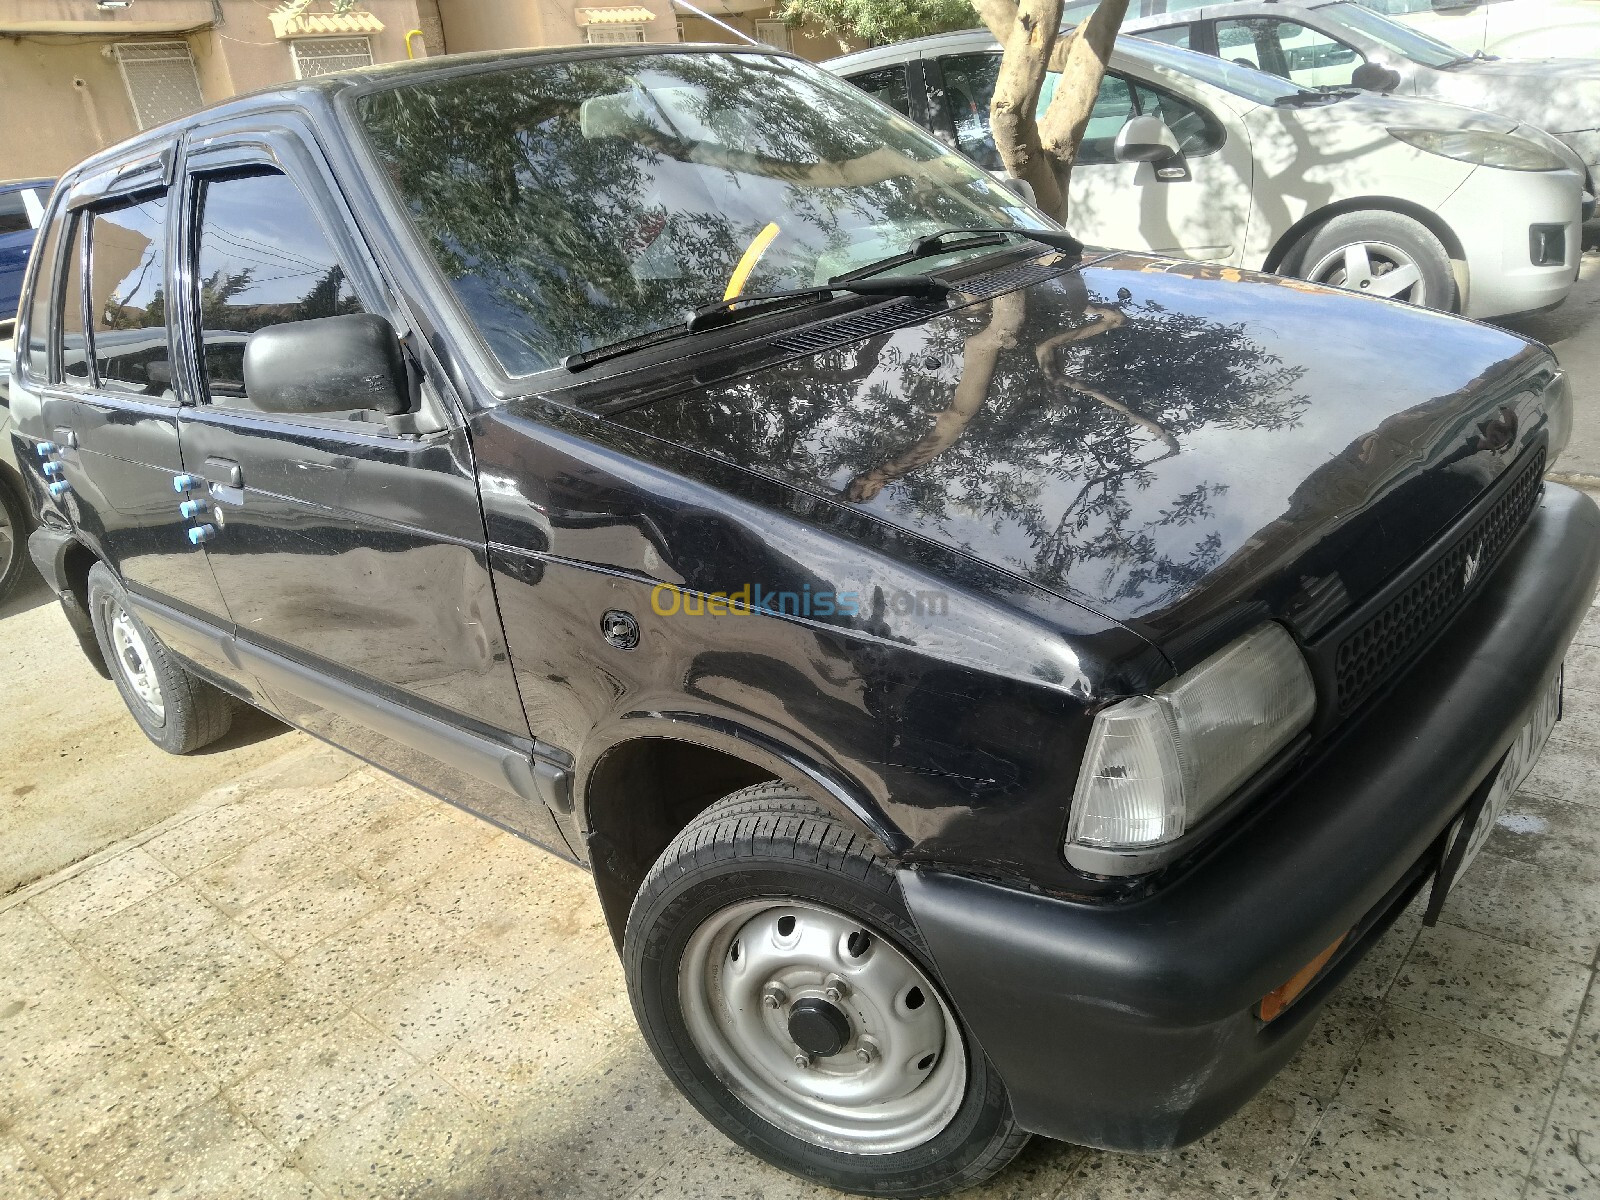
1518 763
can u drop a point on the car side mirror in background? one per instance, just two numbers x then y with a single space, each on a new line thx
1375 77
1145 139
1019 187
329 364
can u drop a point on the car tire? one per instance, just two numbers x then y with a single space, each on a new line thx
13 539
177 711
1387 247
830 1050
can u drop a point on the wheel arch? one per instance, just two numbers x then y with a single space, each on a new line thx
1282 253
637 787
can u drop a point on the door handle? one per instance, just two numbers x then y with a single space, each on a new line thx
223 471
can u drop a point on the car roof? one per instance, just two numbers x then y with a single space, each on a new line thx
1127 49
1206 12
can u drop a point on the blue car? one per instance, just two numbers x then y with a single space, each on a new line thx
22 203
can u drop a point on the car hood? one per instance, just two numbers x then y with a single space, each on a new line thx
1556 94
1158 441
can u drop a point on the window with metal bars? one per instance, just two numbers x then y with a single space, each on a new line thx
323 56
607 35
161 80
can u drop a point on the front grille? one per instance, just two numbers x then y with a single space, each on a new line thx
1368 655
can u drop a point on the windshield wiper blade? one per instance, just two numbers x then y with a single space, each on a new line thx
717 313
1305 97
977 235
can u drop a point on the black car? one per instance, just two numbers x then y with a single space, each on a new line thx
998 687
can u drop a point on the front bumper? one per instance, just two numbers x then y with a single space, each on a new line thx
1490 214
1132 1027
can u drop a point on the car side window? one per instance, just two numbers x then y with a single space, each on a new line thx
1196 130
14 212
968 87
1112 108
127 298
36 356
1289 50
69 317
1175 35
888 85
261 259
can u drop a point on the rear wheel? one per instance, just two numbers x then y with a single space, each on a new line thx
177 711
13 539
1379 254
781 983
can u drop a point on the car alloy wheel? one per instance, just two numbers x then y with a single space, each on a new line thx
1373 269
822 1027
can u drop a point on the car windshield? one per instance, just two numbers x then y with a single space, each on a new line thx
1218 72
580 203
1402 39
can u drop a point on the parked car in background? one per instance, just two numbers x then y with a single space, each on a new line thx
1191 156
1340 44
1513 28
21 207
999 688
15 521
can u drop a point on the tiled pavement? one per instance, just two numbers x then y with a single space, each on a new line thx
316 982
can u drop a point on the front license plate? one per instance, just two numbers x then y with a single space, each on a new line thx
1518 763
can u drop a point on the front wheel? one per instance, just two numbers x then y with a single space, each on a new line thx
13 539
782 985
1379 254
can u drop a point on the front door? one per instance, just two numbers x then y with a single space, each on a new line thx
351 550
1196 208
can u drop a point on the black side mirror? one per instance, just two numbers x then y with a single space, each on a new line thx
329 364
1374 77
1145 139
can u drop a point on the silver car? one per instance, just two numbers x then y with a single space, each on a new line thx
1341 43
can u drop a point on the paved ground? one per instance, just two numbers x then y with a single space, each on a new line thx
314 981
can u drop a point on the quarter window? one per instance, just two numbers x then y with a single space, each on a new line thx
1176 35
37 358
14 212
262 259
127 293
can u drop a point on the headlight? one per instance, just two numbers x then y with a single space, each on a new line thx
1156 764
1486 149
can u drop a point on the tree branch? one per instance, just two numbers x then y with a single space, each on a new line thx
1028 45
1082 60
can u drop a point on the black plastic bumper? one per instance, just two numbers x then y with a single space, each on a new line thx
1132 1027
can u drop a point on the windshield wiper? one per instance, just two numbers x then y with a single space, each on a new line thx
1475 56
978 235
717 313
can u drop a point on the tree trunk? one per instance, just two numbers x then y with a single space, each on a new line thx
1028 40
1081 58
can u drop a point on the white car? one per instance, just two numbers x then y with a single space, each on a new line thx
1513 28
1337 42
1191 156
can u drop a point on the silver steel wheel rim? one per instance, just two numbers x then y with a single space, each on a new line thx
1373 269
133 659
897 1081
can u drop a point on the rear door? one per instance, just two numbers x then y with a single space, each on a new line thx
103 374
350 549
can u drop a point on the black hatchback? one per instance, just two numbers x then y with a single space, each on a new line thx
998 687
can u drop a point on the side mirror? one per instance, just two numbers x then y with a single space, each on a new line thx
1018 187
1145 139
1375 77
329 364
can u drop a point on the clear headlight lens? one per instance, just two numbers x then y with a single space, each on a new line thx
1156 764
1501 150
